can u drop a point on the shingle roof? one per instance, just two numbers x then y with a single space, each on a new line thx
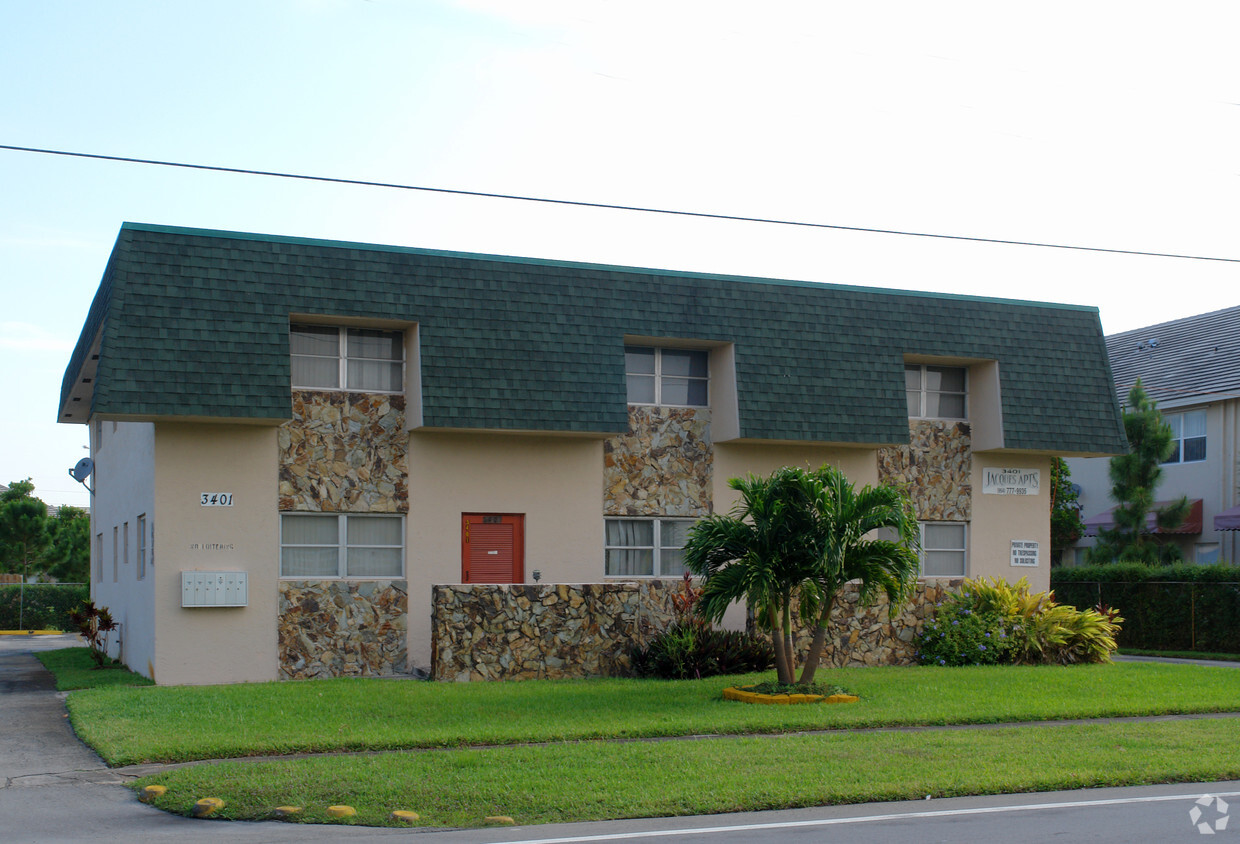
1197 356
195 323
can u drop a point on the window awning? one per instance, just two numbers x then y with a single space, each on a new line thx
1228 519
1190 526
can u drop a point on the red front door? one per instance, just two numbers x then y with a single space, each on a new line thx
492 548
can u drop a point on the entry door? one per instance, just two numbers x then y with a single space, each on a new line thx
492 548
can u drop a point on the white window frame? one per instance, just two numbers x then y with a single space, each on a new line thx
922 391
342 546
1207 553
657 549
142 546
658 375
342 358
1176 422
964 550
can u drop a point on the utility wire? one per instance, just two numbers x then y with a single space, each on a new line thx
582 204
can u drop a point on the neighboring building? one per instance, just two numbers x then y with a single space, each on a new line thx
1191 368
318 432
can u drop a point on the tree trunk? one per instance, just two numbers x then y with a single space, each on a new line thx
789 647
815 646
782 671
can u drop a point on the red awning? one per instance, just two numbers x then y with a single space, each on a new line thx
1228 519
1190 526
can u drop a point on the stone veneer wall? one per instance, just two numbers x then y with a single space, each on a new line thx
935 468
343 452
342 628
516 632
662 466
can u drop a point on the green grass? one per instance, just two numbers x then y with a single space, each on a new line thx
130 725
1182 654
596 780
74 669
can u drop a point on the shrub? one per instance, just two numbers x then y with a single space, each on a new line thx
1028 628
692 649
47 606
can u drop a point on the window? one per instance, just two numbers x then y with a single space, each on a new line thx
115 554
142 547
125 543
943 549
936 392
1206 553
646 547
1188 435
99 557
674 377
362 359
315 546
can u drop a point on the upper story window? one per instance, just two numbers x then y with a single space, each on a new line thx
362 359
936 392
676 377
1188 435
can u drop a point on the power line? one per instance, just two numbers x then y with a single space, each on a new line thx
582 204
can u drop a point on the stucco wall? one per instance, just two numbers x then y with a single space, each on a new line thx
552 481
124 483
217 644
998 520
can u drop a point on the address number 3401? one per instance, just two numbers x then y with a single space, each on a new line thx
217 499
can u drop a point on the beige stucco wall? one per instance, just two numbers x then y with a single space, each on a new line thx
216 644
1000 519
124 455
554 481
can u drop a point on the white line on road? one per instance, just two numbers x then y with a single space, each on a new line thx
986 810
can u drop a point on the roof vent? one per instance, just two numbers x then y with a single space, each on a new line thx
1153 342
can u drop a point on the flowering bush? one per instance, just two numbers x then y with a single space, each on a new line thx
959 635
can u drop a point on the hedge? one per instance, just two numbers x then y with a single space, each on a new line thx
1182 607
47 605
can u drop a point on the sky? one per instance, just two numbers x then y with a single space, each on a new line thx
1103 124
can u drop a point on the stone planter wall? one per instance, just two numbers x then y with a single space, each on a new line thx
343 628
513 632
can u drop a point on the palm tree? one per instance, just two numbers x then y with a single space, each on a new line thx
797 537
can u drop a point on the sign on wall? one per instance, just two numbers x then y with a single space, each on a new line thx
1024 552
1011 481
216 499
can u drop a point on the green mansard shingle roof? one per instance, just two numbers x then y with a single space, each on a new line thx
194 323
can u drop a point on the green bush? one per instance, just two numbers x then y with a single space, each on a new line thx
992 622
692 649
47 606
1183 608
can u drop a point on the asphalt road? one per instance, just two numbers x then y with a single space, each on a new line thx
55 789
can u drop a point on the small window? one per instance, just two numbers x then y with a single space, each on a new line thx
1206 553
943 549
142 547
116 568
125 543
359 359
99 558
1188 436
646 547
317 546
936 392
671 377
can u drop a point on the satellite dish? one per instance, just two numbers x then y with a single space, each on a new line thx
82 470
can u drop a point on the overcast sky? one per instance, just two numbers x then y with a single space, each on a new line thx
1104 124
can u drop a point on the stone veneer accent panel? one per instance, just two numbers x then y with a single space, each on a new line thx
515 632
344 452
935 468
343 628
662 466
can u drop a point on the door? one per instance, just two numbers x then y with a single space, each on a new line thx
492 548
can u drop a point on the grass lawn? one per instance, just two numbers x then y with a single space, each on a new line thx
74 669
597 780
129 725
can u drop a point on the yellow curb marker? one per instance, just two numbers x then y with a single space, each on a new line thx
150 792
341 811
402 815
744 695
286 811
499 819
207 806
